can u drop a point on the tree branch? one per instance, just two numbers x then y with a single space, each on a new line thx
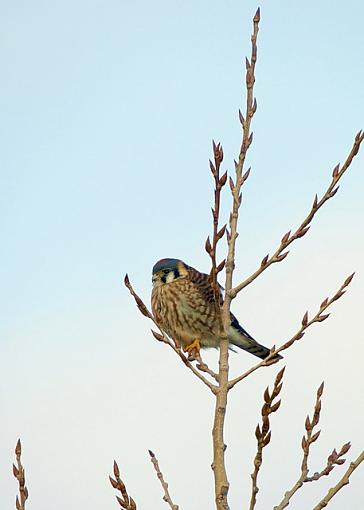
288 238
162 337
166 497
125 501
263 433
309 438
334 459
319 317
217 233
306 443
219 447
221 389
342 482
19 473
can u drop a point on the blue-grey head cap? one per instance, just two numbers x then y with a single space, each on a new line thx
165 264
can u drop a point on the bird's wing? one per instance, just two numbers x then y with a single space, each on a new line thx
235 324
241 338
203 285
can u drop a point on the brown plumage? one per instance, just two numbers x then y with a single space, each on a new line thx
183 304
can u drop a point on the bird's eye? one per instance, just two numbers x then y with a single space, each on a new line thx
165 271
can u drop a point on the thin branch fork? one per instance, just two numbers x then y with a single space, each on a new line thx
306 323
162 337
263 433
219 447
167 498
125 501
19 473
341 483
302 230
335 459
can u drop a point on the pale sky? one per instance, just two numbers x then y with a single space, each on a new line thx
108 110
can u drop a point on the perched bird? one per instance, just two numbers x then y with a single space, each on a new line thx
183 304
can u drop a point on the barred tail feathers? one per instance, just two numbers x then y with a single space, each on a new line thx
241 338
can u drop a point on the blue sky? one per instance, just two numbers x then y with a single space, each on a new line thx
108 110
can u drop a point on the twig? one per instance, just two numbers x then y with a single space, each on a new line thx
334 459
319 317
288 238
217 233
306 443
219 447
201 365
125 501
342 482
307 440
19 474
162 337
263 433
166 497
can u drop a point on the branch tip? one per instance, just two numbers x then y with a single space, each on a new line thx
264 260
335 171
349 279
320 389
282 256
305 319
116 469
157 336
166 497
285 238
223 179
241 118
18 448
334 191
246 175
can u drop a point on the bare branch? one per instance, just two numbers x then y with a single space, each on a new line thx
335 459
166 497
201 370
342 482
306 443
219 447
319 317
203 367
217 233
19 473
162 337
278 255
124 500
263 433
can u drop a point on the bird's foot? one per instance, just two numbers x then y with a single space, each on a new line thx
193 349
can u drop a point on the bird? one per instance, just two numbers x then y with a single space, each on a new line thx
183 305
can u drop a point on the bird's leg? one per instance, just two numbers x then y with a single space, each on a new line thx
195 346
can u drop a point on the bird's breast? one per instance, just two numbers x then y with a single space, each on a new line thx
182 312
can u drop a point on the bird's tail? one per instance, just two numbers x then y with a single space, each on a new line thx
241 338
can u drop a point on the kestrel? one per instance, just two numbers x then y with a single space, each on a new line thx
183 304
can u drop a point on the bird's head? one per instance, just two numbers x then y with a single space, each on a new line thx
167 270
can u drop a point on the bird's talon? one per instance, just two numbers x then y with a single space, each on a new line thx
195 346
193 350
